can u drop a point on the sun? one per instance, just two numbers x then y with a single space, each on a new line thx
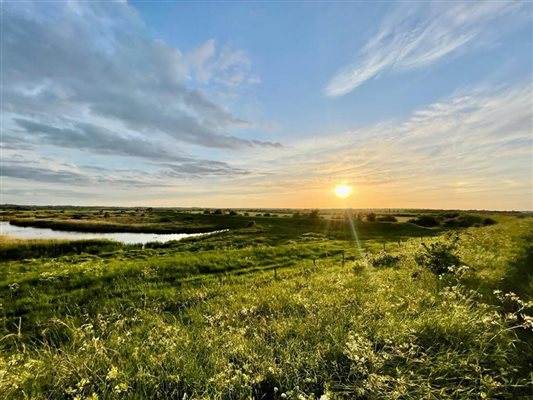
343 191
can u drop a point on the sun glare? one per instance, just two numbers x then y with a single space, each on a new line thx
343 191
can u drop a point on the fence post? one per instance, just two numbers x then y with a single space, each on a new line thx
342 258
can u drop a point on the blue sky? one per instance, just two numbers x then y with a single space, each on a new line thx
267 104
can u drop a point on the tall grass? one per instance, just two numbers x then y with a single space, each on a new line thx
221 324
17 249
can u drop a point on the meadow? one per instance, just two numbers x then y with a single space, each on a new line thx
284 305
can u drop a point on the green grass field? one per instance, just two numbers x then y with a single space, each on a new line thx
279 308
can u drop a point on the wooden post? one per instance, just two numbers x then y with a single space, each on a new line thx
343 259
275 273
384 248
314 263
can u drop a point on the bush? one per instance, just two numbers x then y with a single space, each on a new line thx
371 217
218 212
384 259
467 220
314 214
439 257
232 213
425 220
489 221
449 215
206 212
387 218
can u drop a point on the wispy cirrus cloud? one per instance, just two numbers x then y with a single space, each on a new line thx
418 35
473 149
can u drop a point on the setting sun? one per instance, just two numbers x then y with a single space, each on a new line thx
343 191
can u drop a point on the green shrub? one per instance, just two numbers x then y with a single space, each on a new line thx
387 218
489 221
371 217
384 259
438 257
314 214
427 221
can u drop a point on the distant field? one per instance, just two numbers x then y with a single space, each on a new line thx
283 306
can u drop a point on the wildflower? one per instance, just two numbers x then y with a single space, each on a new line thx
121 387
112 374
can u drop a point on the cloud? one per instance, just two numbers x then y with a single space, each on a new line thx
476 141
228 67
83 136
416 36
54 64
43 174
114 178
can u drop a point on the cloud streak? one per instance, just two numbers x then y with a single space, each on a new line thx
477 141
416 36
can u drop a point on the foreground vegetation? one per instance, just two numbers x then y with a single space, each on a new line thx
287 307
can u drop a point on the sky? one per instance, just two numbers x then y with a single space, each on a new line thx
267 104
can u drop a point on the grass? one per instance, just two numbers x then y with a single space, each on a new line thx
271 312
15 249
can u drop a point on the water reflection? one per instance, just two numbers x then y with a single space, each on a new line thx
29 232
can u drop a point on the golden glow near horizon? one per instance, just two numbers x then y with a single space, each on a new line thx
343 191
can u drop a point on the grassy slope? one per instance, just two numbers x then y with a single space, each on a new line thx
209 319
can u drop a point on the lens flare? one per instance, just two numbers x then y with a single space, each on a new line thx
343 191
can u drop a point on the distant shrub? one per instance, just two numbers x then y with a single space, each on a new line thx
425 220
384 259
266 215
314 214
489 221
218 212
439 257
233 213
206 212
246 214
371 217
449 215
250 224
387 218
466 220
296 214
360 216
463 221
165 219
